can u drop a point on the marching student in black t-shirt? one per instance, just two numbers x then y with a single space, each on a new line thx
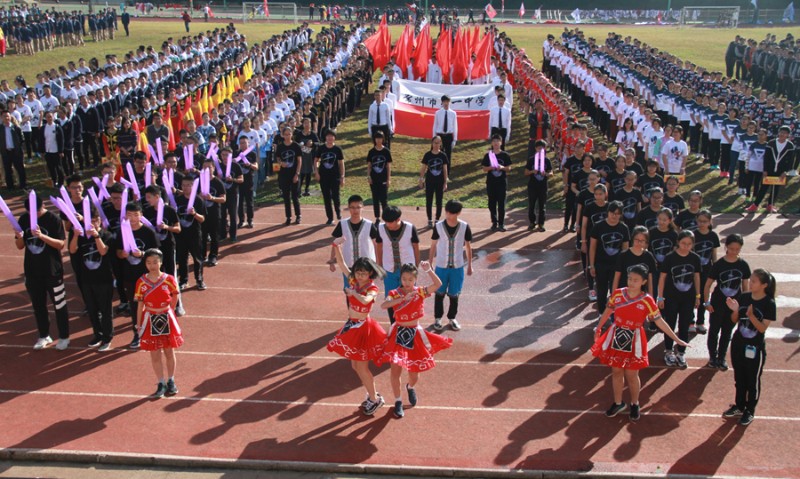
648 217
496 183
433 178
732 275
44 272
308 141
74 186
329 171
379 161
97 282
672 199
188 241
615 179
752 313
608 239
636 255
112 208
571 166
246 187
214 201
165 232
679 282
650 180
631 199
537 185
590 213
290 158
687 219
134 266
706 242
231 182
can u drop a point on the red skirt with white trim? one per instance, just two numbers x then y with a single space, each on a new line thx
160 331
359 341
412 348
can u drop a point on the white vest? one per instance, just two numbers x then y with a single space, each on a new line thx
404 246
355 247
450 251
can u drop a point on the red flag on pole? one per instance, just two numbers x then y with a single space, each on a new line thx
266 9
521 9
379 45
402 50
483 60
490 10
443 47
459 57
423 52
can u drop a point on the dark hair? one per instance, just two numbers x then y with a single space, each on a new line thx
76 178
638 269
409 268
153 190
391 214
355 199
154 252
133 207
376 135
706 213
685 234
615 206
734 238
541 143
765 277
453 207
497 137
640 230
366 264
38 203
116 188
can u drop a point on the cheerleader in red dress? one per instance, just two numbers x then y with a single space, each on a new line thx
157 295
624 345
361 338
408 345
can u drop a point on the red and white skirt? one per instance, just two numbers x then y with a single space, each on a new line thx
160 331
622 348
412 348
359 340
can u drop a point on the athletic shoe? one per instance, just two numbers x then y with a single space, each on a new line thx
183 286
288 221
306 193
135 343
573 229
454 325
712 363
501 228
95 343
121 308
669 358
250 225
179 311
297 220
733 411
240 225
62 344
437 324
541 229
494 227
531 227
172 389
42 343
714 167
371 407
329 223
430 224
681 360
701 329
565 230
752 208
201 286
104 347
635 414
615 409
412 395
747 418
722 365
592 295
211 262
771 209
651 326
398 409
692 329
161 389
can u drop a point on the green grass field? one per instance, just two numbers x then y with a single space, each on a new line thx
702 46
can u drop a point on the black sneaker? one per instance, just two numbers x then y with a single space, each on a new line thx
96 342
201 286
733 411
240 225
747 418
121 308
573 229
635 415
412 395
211 262
722 365
430 224
712 363
183 286
371 407
297 220
615 409
135 344
398 409
288 221
501 228
160 390
329 222
494 227
172 389
249 225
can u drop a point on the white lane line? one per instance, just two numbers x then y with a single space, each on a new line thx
576 412
786 277
787 302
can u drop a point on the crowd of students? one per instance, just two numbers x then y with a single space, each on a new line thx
769 64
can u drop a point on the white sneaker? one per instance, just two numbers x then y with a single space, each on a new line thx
62 344
42 343
437 324
454 325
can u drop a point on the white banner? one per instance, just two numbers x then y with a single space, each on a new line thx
429 95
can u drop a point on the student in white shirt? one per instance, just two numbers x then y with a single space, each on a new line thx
434 74
445 125
500 121
674 154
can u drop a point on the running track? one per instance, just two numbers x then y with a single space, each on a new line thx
518 390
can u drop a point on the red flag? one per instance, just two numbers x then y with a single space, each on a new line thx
483 60
459 58
210 12
423 52
266 9
379 45
521 9
490 10
402 50
474 39
443 47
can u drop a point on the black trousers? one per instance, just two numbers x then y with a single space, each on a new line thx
28 139
39 288
678 311
117 269
496 193
752 183
134 305
570 209
68 162
714 152
90 146
604 277
747 373
12 159
54 168
438 306
187 244
434 185
380 196
537 199
229 211
98 298
447 147
245 203
168 264
771 190
291 195
210 235
330 197
700 312
720 328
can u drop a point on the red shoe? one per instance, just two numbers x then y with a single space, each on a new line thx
771 209
752 208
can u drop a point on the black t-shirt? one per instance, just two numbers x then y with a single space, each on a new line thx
686 220
628 260
630 203
495 177
647 218
538 177
676 203
216 188
680 270
247 172
42 261
572 165
451 230
704 245
329 159
232 188
580 179
436 163
95 268
662 243
604 167
135 267
585 199
763 308
728 277
337 231
648 183
165 237
596 214
288 156
378 162
636 167
610 242
615 181
189 225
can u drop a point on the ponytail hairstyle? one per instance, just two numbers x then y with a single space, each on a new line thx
669 214
639 270
409 268
766 277
371 267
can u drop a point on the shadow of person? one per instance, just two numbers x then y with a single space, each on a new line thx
69 430
707 457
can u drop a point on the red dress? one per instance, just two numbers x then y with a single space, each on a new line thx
160 328
411 347
359 340
624 344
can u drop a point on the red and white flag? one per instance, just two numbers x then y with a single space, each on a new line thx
490 10
266 9
521 9
417 103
